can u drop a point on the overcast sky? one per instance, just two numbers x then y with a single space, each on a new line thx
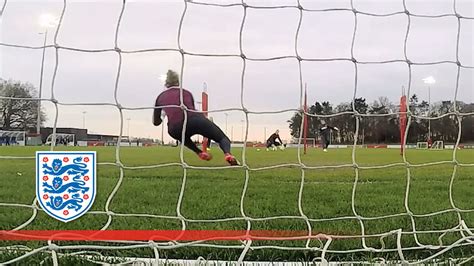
268 86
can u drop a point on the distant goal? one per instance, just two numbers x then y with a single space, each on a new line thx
10 138
438 145
310 142
61 139
422 145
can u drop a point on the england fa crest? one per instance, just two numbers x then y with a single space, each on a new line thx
65 183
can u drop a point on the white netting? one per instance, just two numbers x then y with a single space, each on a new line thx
466 235
61 139
310 142
422 145
438 145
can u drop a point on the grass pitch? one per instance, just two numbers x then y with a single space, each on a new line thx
216 194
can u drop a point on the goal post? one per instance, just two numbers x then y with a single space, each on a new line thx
422 145
65 139
403 121
205 106
310 143
437 145
305 120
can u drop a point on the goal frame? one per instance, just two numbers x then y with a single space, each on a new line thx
437 145
310 142
69 143
422 145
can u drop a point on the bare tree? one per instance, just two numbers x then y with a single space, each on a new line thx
17 111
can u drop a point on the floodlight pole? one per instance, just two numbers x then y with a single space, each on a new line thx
226 115
242 121
264 134
38 118
84 119
429 112
305 120
429 80
162 133
128 129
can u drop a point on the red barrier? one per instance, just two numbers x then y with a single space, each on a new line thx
144 235
377 146
95 143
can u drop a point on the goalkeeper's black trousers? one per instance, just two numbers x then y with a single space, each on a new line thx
199 124
270 143
324 142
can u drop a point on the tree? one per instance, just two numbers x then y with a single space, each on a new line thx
18 114
444 128
345 123
418 130
386 129
381 129
467 122
324 108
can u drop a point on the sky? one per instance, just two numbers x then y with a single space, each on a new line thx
269 86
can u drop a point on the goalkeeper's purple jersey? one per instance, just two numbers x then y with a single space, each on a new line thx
171 97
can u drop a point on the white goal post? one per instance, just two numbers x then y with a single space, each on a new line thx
438 145
62 139
422 145
10 137
311 142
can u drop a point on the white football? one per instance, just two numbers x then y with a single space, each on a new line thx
258 149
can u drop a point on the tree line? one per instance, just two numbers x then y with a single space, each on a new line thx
18 114
22 115
386 129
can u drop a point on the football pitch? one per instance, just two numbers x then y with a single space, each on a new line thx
270 197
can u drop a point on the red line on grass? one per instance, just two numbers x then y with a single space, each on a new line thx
159 235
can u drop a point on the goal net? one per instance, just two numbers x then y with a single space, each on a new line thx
422 145
307 230
310 142
437 145
58 139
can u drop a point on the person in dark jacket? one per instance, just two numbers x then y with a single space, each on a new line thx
272 140
325 133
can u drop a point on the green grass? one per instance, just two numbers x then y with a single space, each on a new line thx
216 194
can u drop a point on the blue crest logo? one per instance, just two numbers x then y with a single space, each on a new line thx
65 183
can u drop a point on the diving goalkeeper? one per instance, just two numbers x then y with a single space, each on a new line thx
197 123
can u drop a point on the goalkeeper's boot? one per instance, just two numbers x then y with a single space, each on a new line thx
205 156
231 159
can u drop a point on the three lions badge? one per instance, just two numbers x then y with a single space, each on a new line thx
65 183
